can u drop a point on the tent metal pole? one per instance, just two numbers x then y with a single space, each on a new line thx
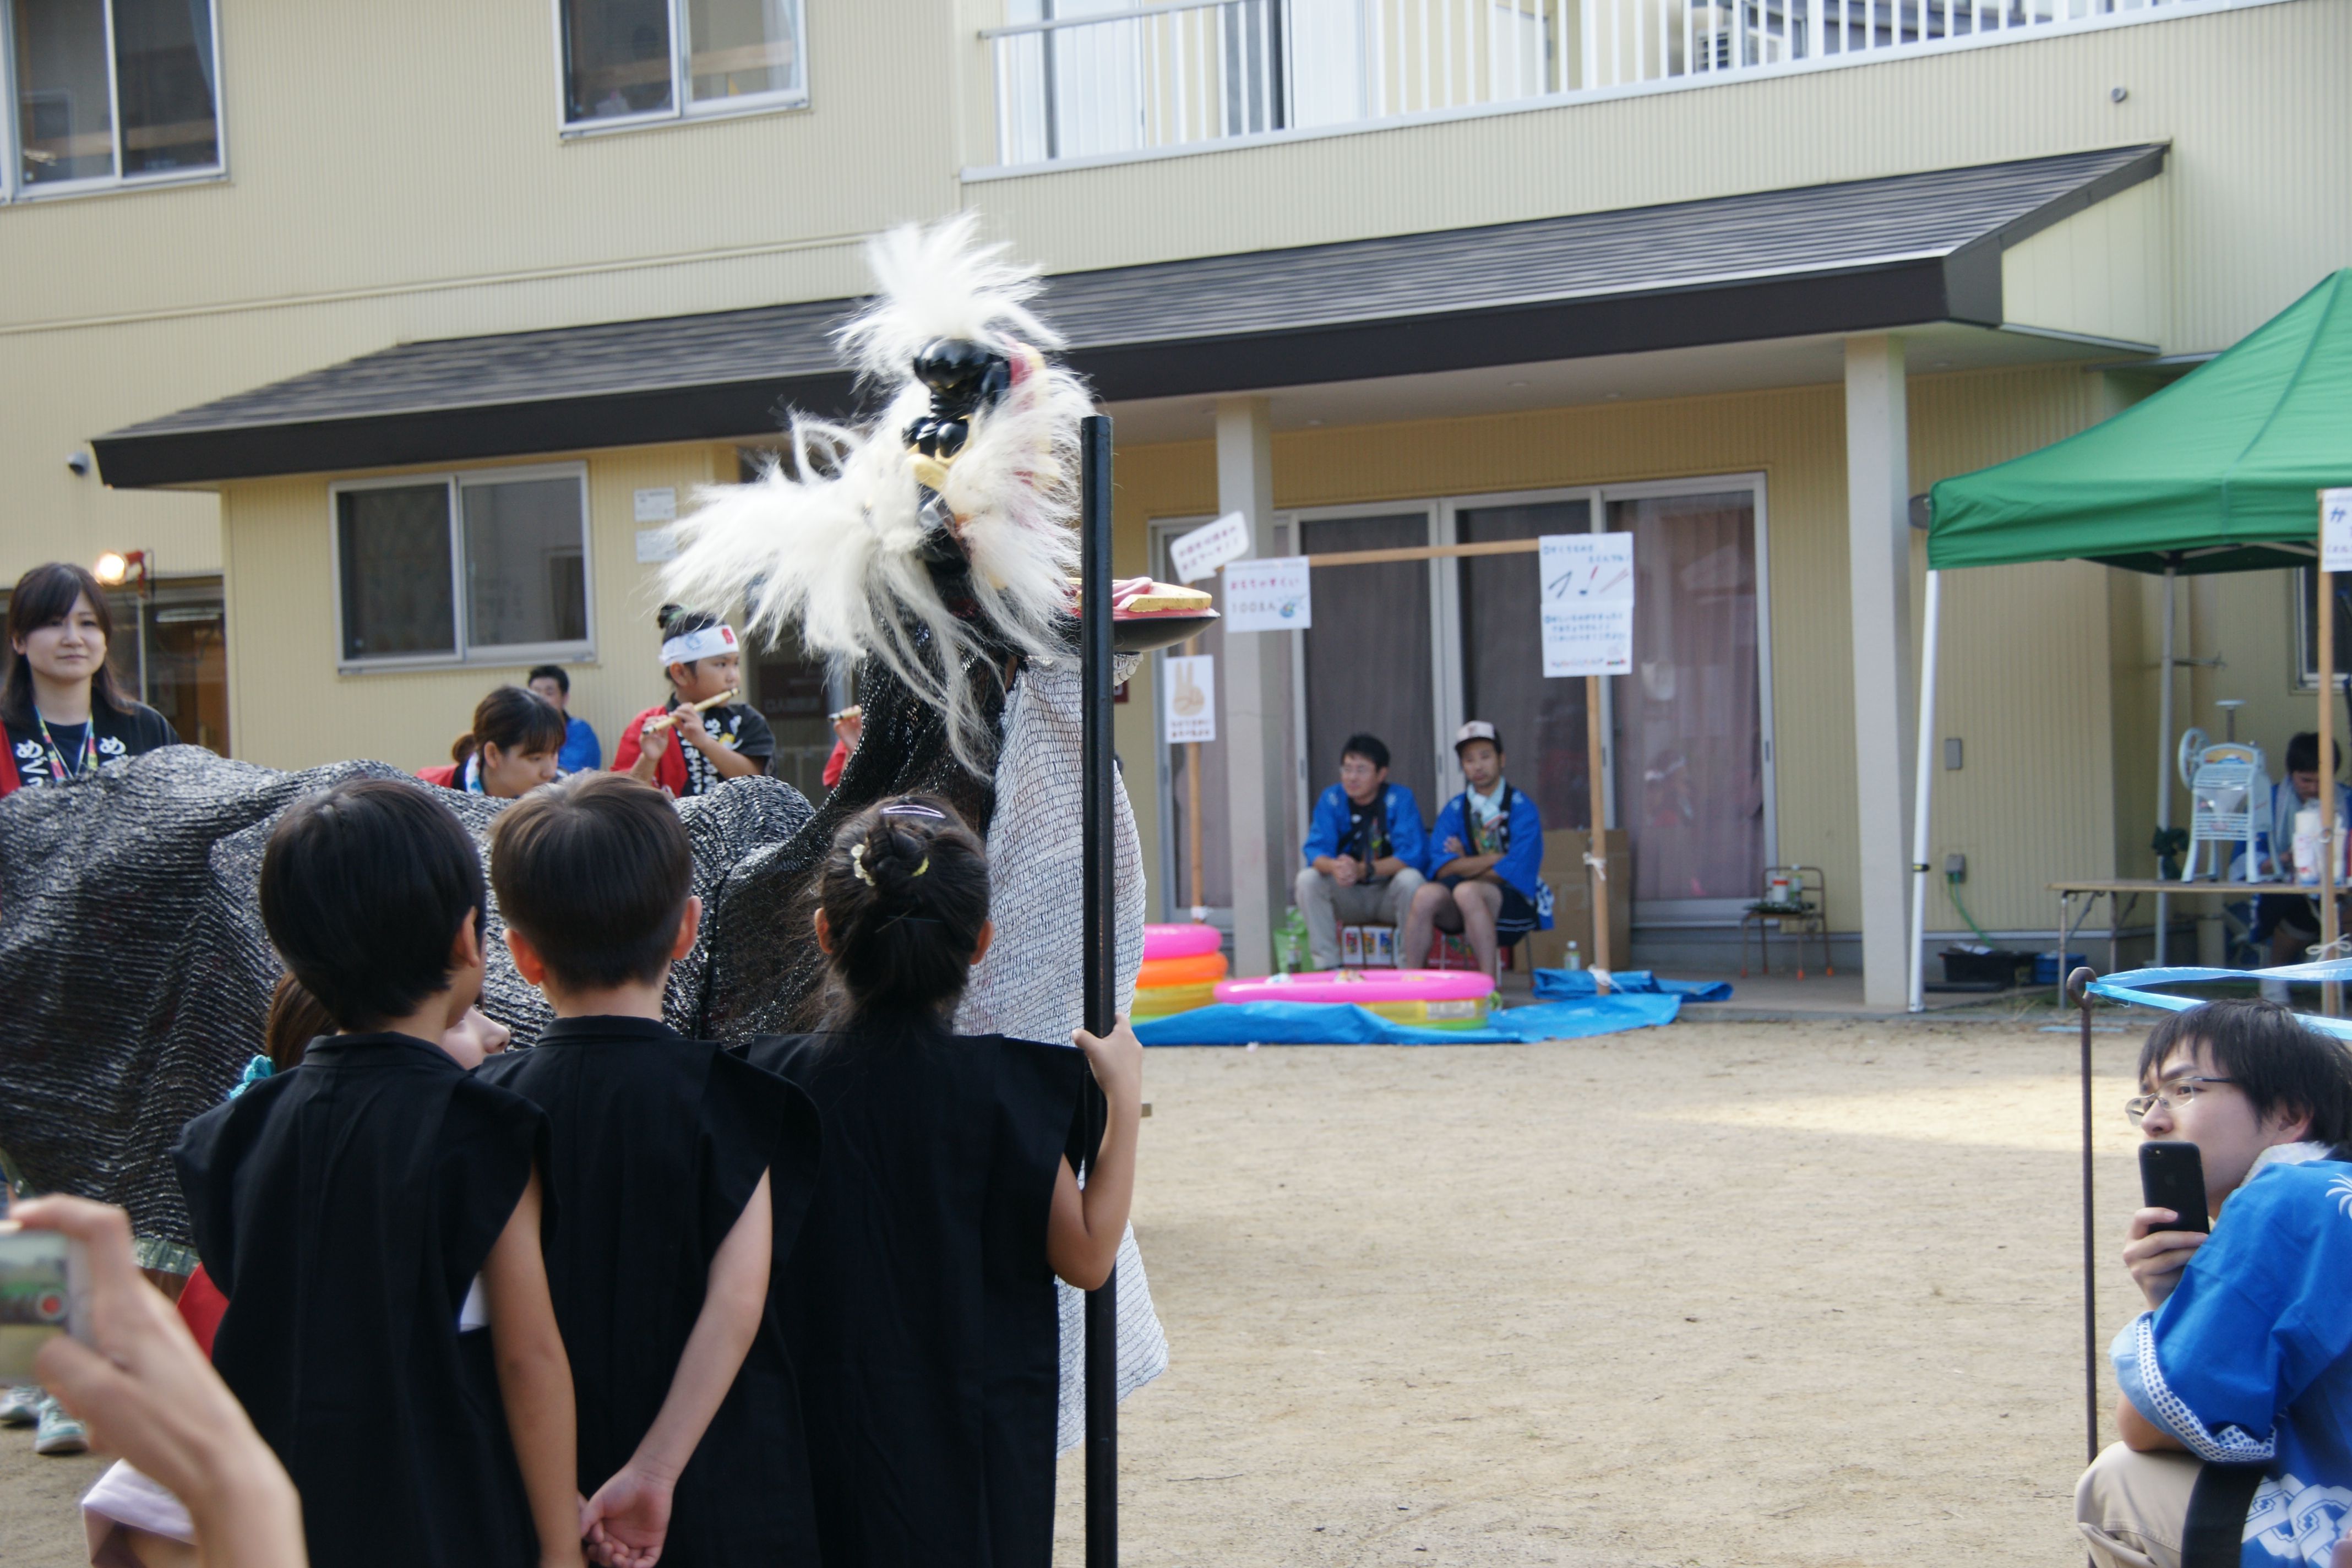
1923 791
2331 846
2164 765
1099 940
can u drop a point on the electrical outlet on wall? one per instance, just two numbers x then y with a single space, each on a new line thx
1956 867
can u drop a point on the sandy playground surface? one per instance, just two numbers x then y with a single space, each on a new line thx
1795 1293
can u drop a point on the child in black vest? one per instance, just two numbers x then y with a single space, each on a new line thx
373 1217
919 1305
681 1174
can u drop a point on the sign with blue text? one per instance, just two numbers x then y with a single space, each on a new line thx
2336 531
1587 604
1268 596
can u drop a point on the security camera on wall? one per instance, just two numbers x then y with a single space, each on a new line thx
80 464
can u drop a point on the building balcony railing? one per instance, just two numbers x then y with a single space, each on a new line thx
1109 79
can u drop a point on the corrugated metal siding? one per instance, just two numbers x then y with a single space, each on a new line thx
2025 681
295 711
2106 271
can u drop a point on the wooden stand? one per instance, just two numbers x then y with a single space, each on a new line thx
1597 865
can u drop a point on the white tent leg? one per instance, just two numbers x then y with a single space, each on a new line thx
2164 765
1923 789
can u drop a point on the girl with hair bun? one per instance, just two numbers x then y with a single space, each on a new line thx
685 748
510 751
946 1202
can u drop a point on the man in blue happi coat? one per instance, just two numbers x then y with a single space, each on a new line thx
2245 1355
1485 857
1364 851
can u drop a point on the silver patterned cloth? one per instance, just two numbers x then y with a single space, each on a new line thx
135 975
1032 984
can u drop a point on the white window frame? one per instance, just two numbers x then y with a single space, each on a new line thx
682 110
13 188
466 652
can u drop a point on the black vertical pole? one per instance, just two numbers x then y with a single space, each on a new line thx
1101 951
2078 988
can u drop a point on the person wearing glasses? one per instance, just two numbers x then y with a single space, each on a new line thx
2245 1355
1364 851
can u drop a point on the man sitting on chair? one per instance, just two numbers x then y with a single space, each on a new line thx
1490 850
1364 851
2289 922
2245 1357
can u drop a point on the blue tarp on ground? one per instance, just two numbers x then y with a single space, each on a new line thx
1338 1024
1567 985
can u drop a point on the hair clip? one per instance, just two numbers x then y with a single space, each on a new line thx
924 867
857 864
913 808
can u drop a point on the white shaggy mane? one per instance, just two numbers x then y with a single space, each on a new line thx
829 539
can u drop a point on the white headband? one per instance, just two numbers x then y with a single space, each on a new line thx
707 643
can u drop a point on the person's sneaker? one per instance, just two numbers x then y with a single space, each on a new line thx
60 1433
20 1406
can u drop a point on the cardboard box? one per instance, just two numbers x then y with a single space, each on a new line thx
1571 912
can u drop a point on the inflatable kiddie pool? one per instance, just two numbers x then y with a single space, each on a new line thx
1435 998
1181 967
1181 939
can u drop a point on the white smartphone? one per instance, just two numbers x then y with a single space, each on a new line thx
44 1291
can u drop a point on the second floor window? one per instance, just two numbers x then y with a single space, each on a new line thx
638 61
111 91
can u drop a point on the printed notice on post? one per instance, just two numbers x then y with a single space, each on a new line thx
2336 531
1199 554
1268 596
1588 603
1189 711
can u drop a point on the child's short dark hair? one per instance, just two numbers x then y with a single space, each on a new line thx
1368 747
2278 1062
363 888
905 894
2303 753
596 870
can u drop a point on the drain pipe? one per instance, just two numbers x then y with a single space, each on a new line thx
1922 793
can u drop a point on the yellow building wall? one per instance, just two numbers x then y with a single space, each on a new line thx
292 709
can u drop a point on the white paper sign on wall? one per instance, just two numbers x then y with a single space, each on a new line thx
1199 554
1588 603
1268 596
2336 531
658 505
655 545
1189 709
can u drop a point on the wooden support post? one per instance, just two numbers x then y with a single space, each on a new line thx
1596 843
1192 806
2331 842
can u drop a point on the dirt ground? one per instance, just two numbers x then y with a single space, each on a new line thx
1716 1294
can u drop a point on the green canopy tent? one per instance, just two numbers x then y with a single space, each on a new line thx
2218 472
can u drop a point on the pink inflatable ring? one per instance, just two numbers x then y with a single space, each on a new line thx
1363 987
1184 939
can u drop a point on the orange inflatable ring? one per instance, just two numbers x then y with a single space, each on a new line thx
1195 969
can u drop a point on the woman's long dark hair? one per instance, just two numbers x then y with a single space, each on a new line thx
905 895
512 719
44 597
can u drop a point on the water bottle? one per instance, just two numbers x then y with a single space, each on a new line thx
1573 960
2306 844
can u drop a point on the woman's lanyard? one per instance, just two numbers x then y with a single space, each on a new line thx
89 760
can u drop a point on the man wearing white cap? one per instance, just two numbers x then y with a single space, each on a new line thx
1486 851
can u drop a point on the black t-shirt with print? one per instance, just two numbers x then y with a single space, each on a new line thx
737 726
1368 829
119 735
